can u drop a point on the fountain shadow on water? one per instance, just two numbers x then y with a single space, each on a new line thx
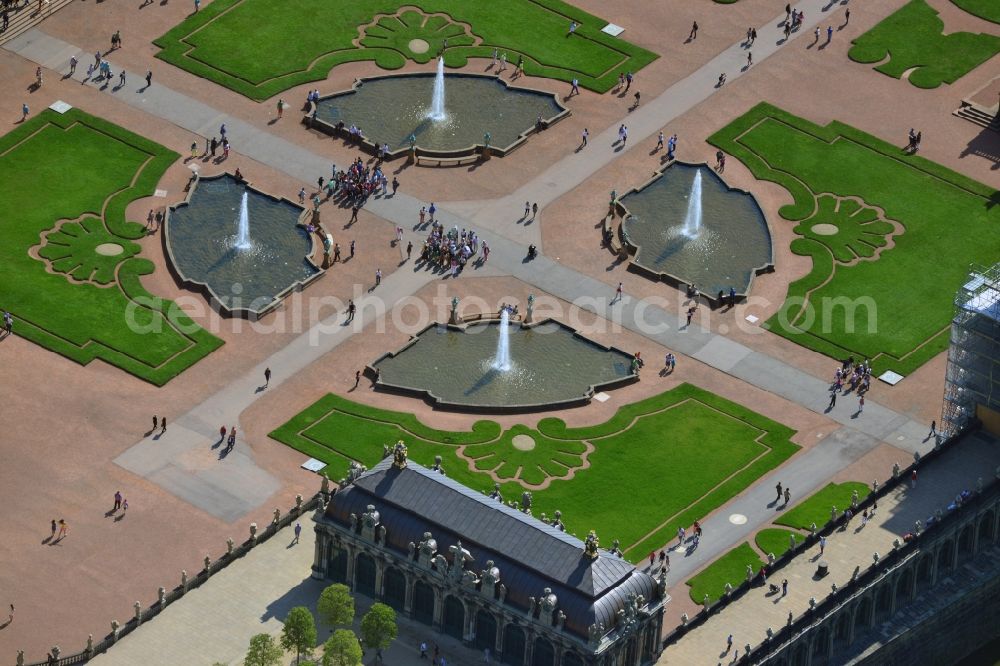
491 375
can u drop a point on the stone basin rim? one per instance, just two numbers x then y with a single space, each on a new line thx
669 278
446 405
473 149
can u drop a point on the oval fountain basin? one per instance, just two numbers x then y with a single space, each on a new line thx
550 365
202 243
389 109
730 245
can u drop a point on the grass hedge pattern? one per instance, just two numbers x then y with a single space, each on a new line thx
894 309
248 45
655 465
78 167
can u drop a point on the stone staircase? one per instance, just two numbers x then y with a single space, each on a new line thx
976 114
27 15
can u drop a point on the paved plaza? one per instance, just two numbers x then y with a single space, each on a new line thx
75 434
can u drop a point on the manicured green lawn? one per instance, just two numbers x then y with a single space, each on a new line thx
260 48
816 509
655 465
776 541
912 37
894 305
71 167
730 568
985 9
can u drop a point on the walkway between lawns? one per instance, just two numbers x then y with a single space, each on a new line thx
748 618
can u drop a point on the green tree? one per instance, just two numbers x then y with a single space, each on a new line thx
264 651
342 649
336 605
299 632
378 627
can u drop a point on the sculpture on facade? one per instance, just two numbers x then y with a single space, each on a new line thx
399 455
590 545
369 521
489 577
426 549
547 604
596 632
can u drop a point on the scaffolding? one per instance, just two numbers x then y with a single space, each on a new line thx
972 379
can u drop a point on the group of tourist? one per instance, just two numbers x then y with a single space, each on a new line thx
453 249
354 185
851 376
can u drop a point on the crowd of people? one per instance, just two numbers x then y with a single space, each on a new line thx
453 249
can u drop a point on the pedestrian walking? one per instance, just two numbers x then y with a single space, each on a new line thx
527 209
778 488
694 32
63 529
680 536
534 210
583 137
281 107
486 655
72 65
378 276
749 59
933 432
423 644
788 496
197 6
847 16
913 479
652 558
784 588
822 544
352 249
659 141
833 400
267 377
24 112
163 425
395 185
298 531
690 313
10 617
409 249
357 377
729 643
149 77
121 79
861 404
432 209
619 292
156 422
635 105
302 192
118 500
574 87
54 528
124 506
829 33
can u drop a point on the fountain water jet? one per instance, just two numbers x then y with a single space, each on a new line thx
437 112
692 220
501 361
243 227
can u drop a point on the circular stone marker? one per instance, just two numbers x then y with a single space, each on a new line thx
109 249
738 519
825 229
418 46
523 442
